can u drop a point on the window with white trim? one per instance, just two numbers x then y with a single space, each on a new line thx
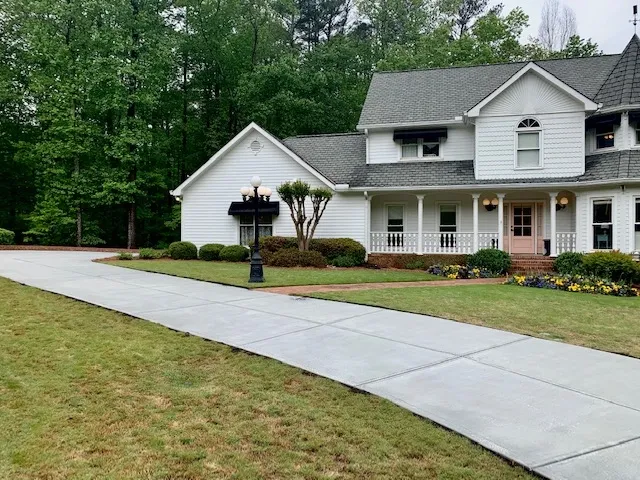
602 224
265 228
395 218
638 134
528 144
448 217
419 148
636 225
605 137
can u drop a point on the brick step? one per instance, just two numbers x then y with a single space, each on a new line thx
530 263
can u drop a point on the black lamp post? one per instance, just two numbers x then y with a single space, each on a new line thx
256 194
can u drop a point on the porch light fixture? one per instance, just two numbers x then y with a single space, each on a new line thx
562 204
256 194
490 205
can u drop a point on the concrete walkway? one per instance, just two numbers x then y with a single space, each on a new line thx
566 412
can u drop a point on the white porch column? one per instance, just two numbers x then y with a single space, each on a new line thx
420 221
553 200
476 238
367 223
500 220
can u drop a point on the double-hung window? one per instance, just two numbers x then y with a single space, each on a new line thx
448 218
605 137
636 225
265 228
395 218
528 148
420 148
602 224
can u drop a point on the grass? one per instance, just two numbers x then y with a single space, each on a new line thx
238 273
596 321
90 393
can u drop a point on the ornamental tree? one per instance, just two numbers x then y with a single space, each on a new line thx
297 195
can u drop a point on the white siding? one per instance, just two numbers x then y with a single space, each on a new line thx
622 217
562 146
206 202
458 146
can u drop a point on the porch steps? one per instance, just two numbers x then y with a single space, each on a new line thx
530 263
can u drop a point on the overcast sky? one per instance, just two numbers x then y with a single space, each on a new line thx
606 22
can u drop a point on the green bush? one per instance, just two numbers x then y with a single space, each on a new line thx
569 263
615 266
183 251
151 254
292 257
125 256
344 261
492 259
332 248
210 252
274 244
415 265
7 237
234 253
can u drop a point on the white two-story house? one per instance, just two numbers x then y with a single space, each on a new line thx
533 158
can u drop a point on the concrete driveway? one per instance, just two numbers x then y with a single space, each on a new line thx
565 412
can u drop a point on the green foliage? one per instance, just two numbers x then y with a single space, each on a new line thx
495 261
274 244
210 252
293 257
234 253
125 256
332 248
615 266
183 251
344 261
415 265
7 237
569 263
151 254
416 262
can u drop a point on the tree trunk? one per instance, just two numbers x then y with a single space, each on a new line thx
131 227
76 173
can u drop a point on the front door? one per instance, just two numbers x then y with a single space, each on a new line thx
522 231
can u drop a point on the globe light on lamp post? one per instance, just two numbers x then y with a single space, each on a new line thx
256 194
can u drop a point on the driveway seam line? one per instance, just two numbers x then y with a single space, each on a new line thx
411 370
176 308
588 452
279 335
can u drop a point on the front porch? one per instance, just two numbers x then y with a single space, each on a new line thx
530 222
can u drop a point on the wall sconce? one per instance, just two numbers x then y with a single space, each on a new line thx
490 205
562 204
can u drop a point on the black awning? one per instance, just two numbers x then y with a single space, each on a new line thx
430 135
601 120
247 208
634 117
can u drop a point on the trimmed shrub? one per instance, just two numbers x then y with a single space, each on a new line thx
615 266
491 259
7 237
292 257
569 263
150 254
344 262
125 256
415 265
183 251
210 252
234 253
406 260
274 244
332 248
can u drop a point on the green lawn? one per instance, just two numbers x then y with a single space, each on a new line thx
90 393
238 273
597 321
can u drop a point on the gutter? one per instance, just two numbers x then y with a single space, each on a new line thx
456 121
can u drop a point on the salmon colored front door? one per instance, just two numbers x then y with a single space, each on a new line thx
522 230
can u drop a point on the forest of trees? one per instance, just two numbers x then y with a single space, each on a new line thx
106 105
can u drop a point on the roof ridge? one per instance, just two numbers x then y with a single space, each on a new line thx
452 67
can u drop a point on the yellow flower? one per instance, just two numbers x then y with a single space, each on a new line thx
452 275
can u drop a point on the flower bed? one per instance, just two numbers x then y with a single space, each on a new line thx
574 283
462 272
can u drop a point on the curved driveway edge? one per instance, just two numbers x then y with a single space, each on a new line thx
563 411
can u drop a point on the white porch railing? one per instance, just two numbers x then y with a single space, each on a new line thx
432 242
394 242
565 242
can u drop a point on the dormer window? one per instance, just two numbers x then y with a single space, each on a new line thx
605 136
528 138
420 143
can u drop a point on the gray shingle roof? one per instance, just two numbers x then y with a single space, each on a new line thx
342 159
444 93
622 86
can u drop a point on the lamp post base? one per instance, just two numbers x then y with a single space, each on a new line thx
256 275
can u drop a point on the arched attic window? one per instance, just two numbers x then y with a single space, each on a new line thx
529 144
